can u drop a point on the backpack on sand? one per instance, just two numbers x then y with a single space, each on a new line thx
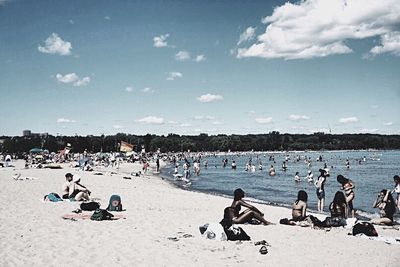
53 197
101 215
115 203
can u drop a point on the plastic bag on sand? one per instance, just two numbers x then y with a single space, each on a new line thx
215 231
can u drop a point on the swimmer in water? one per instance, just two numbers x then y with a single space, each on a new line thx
297 177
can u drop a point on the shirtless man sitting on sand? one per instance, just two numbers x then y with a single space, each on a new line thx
73 190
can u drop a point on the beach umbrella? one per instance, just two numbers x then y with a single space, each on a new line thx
36 150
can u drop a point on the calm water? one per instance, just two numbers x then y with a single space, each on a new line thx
371 176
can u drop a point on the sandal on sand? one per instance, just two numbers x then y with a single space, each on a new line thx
262 242
263 250
77 211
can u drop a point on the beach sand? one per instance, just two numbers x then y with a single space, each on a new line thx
161 228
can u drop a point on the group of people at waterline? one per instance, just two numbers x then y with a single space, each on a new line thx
343 199
341 207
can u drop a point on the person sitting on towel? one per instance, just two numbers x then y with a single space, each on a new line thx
242 217
73 190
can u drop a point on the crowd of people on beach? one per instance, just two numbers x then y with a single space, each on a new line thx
341 208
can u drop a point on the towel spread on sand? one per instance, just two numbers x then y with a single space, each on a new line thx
386 239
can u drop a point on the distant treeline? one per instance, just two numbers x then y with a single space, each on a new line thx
273 141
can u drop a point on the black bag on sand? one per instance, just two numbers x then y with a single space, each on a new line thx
334 222
89 206
236 233
101 215
364 228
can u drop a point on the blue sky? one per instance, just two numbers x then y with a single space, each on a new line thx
190 67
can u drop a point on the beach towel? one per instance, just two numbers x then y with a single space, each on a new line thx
87 216
115 203
387 239
365 228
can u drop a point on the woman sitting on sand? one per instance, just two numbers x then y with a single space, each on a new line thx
338 209
385 203
73 190
251 212
347 187
299 208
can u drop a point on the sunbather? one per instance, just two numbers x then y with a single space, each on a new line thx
73 190
386 206
251 212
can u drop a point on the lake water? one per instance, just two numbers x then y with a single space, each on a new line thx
370 175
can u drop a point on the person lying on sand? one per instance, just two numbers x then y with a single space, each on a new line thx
251 212
73 190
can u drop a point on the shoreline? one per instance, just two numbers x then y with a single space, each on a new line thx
158 217
362 214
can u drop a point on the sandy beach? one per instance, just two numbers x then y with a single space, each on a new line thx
161 228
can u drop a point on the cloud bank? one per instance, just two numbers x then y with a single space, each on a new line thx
319 28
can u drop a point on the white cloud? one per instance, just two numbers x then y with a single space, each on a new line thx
389 123
147 90
174 75
264 120
209 98
348 120
116 126
107 18
319 28
82 82
200 58
129 89
71 21
55 45
216 123
185 125
295 117
247 35
390 43
64 120
374 106
201 117
67 78
182 56
151 120
161 41
73 78
172 122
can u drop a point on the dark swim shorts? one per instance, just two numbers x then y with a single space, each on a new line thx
321 194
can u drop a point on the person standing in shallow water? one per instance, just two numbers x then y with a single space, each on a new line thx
320 185
396 189
251 212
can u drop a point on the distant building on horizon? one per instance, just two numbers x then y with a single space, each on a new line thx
28 133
